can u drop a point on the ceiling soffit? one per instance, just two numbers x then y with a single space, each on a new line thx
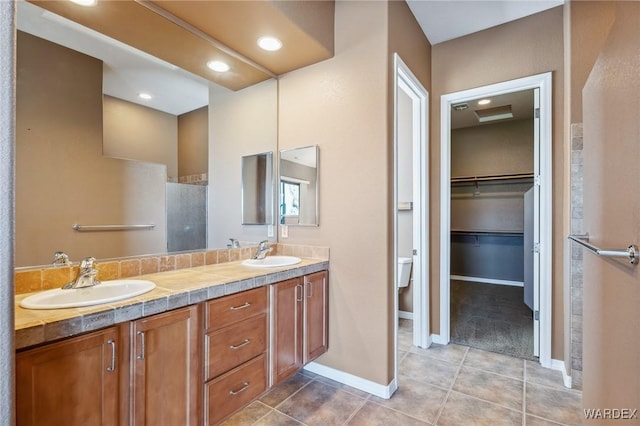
305 28
224 27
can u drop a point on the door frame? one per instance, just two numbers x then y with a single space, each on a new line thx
543 178
406 81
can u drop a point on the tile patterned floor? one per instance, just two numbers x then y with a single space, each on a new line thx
444 385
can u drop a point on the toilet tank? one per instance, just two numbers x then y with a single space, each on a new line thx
404 271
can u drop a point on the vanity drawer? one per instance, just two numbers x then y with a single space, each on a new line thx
231 309
234 390
233 345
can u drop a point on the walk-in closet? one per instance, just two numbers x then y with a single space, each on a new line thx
492 176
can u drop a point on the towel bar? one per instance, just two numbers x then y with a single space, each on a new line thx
98 228
630 252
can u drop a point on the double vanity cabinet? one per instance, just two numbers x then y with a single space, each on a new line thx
194 365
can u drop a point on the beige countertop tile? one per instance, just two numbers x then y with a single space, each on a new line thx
174 289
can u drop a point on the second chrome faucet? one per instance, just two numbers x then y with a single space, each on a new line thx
263 249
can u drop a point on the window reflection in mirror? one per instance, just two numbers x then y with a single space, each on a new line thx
299 186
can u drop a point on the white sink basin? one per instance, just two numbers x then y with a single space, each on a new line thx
272 261
105 292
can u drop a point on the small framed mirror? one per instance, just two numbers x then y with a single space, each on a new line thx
298 186
257 189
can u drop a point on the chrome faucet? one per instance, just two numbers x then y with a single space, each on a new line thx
86 275
263 249
61 259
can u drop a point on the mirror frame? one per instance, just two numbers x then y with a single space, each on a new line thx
317 196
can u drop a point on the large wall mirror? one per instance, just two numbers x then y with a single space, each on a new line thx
299 186
91 151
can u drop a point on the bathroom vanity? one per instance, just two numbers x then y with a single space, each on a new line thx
202 345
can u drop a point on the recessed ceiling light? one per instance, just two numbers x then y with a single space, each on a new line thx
218 66
269 43
144 96
484 101
85 2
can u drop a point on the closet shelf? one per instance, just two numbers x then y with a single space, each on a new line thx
484 178
497 232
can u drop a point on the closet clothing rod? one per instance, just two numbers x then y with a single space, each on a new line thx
99 228
492 177
630 252
505 232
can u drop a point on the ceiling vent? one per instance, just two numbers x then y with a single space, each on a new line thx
493 114
460 107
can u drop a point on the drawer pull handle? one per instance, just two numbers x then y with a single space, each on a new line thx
112 366
244 387
237 308
244 343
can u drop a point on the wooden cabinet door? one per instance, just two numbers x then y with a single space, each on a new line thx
167 373
73 382
316 326
287 303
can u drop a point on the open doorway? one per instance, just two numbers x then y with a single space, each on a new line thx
411 218
496 218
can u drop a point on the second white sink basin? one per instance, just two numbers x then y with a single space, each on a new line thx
105 292
272 261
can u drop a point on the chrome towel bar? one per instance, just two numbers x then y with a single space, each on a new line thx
99 228
630 252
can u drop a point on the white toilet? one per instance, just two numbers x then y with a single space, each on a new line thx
404 271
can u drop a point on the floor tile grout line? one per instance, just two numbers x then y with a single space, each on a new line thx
399 411
486 400
446 398
292 418
548 420
356 411
494 373
289 397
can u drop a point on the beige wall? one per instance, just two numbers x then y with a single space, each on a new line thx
61 176
344 105
517 49
590 23
193 142
240 123
136 132
499 148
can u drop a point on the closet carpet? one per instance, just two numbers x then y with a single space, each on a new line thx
491 317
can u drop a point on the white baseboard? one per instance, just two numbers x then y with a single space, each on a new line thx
487 280
365 385
436 338
405 315
557 364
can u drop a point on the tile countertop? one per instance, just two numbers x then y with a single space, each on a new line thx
174 289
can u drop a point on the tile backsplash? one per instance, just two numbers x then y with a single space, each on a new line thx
37 278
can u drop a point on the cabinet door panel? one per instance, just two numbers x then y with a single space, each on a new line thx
166 369
73 382
316 316
287 316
